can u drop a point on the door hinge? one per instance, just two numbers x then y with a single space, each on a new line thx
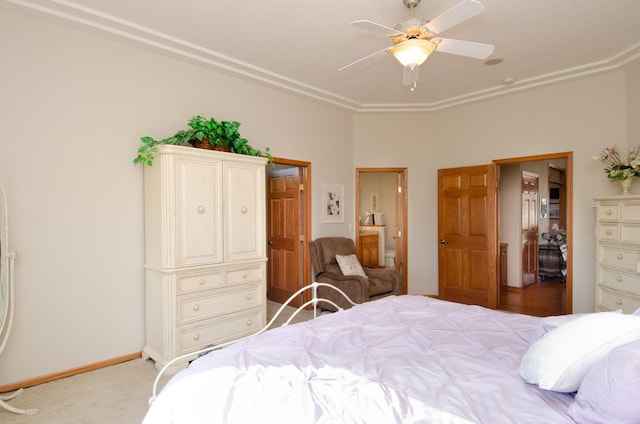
302 238
399 189
301 187
399 233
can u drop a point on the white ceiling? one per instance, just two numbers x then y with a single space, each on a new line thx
299 45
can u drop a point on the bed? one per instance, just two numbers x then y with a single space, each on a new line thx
400 359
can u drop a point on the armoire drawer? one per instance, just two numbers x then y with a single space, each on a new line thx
609 232
620 280
216 302
613 300
198 281
252 274
608 211
630 211
629 233
619 257
219 330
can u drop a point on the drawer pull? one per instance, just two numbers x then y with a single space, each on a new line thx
201 281
620 256
608 232
200 209
196 307
619 279
196 336
243 210
619 302
249 322
249 296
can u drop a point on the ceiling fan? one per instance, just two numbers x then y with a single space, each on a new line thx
416 38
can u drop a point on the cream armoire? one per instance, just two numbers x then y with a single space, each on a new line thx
205 253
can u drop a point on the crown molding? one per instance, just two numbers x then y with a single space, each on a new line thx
74 15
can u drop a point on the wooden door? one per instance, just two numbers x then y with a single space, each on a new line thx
467 222
401 226
529 228
284 234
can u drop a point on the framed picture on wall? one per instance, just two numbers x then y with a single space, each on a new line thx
373 202
332 203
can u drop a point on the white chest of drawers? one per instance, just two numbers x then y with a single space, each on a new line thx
205 250
618 253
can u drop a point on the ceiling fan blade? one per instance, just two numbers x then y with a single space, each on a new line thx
459 13
464 48
363 59
375 27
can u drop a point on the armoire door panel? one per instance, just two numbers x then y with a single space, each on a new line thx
244 212
199 217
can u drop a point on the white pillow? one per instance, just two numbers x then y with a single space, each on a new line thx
349 265
562 357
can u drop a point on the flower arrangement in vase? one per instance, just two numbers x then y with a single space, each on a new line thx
620 167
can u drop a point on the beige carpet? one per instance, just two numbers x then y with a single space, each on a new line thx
116 394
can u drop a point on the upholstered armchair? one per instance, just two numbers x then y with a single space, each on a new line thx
379 282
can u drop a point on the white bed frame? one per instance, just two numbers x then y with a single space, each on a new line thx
313 301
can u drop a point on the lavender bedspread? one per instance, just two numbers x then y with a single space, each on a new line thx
405 359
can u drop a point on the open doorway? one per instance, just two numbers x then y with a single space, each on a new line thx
381 218
288 229
535 234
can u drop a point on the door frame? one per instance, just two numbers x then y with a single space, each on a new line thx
304 168
568 157
401 208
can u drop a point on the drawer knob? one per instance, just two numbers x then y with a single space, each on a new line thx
249 322
620 256
249 296
244 275
619 302
608 232
200 209
201 281
609 212
196 307
619 279
196 336
244 209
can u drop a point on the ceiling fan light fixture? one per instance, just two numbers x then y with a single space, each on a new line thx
413 52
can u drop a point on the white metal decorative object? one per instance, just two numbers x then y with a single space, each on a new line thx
7 258
313 301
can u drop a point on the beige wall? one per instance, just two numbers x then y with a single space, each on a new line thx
633 104
511 220
73 107
581 116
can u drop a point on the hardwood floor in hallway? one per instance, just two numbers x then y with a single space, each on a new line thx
543 298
